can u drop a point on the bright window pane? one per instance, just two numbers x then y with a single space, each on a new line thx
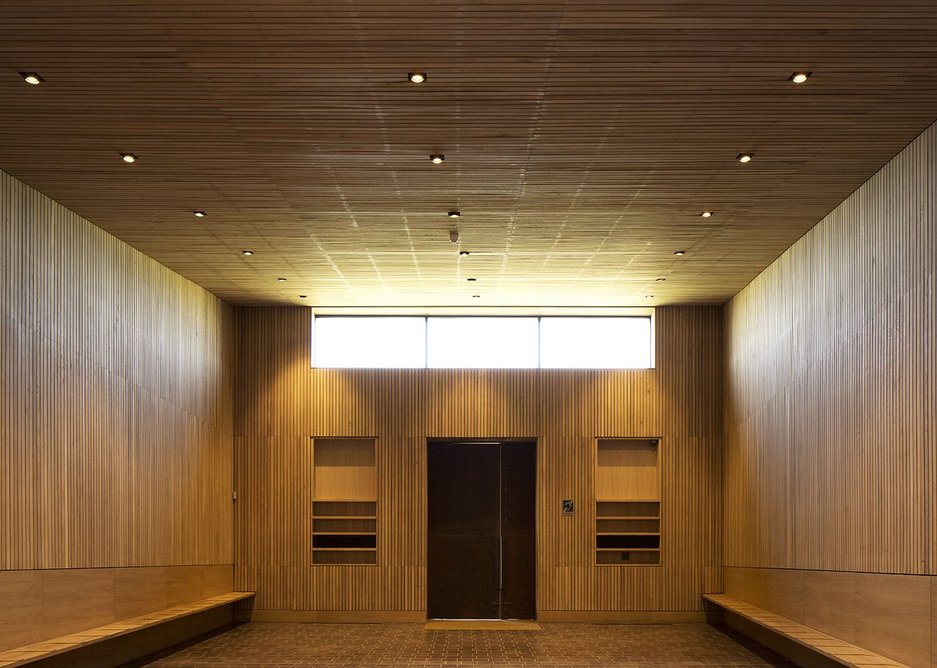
369 343
595 343
482 343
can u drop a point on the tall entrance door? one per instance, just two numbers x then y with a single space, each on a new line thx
481 498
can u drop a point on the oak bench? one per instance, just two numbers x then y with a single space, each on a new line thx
22 656
830 647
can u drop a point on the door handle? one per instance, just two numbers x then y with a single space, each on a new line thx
501 563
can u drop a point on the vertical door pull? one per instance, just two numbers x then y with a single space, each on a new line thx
501 563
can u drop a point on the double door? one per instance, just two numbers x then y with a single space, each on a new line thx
481 561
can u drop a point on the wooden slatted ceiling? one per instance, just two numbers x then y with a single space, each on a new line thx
282 402
582 138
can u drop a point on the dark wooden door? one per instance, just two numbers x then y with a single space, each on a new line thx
481 499
518 512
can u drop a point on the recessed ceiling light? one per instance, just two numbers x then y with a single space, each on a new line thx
417 77
800 77
128 157
707 214
247 252
437 158
661 280
281 279
302 296
199 214
32 78
455 214
744 157
471 279
680 252
465 252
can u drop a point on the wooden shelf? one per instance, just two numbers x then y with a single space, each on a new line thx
344 506
627 504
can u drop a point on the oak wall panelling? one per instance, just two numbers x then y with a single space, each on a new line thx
115 424
282 404
831 378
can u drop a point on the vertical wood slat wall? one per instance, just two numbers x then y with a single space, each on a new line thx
116 401
282 403
831 384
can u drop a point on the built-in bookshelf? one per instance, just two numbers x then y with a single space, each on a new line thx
627 502
344 508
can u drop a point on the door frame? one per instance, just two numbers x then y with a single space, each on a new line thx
429 440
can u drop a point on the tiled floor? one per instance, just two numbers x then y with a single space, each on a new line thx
632 646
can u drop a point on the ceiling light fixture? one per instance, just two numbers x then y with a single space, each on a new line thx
437 158
706 214
454 235
679 253
199 214
649 296
32 78
417 77
281 279
661 280
247 252
476 296
465 252
471 280
455 214
128 157
745 157
800 77
302 296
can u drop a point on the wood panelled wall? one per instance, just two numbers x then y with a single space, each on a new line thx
831 384
116 402
282 403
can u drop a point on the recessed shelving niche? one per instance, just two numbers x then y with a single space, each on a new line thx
344 508
627 502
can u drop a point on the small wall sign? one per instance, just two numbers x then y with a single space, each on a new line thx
568 507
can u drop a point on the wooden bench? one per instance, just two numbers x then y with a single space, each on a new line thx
22 656
834 649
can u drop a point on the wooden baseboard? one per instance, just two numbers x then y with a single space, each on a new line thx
332 616
622 617
419 616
